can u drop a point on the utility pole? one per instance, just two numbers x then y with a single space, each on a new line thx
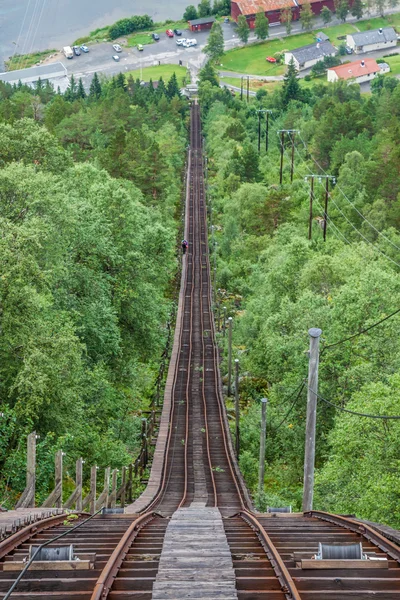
261 471
261 111
325 222
312 394
282 132
241 87
229 356
267 112
237 409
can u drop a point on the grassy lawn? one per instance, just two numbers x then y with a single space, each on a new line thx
394 63
26 60
164 71
162 27
139 38
389 21
338 31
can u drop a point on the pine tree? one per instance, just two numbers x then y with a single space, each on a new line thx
357 9
326 15
286 19
261 26
243 29
173 87
306 16
80 92
208 73
120 81
95 87
215 45
161 89
291 89
70 93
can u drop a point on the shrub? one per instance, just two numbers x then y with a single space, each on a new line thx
129 25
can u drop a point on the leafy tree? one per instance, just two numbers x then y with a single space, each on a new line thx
190 13
342 9
208 73
291 87
243 29
95 87
204 8
357 9
261 26
326 15
342 49
306 16
215 44
380 6
286 17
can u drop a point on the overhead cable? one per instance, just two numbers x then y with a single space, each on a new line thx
352 412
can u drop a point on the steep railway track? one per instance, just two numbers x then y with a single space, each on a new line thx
199 466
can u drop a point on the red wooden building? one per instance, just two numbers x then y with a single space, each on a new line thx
272 8
201 24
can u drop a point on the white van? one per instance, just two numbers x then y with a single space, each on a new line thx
67 50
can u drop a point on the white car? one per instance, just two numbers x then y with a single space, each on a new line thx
116 57
193 42
117 48
181 41
186 44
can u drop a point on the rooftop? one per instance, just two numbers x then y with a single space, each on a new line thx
201 21
375 36
356 69
313 52
322 37
252 7
34 73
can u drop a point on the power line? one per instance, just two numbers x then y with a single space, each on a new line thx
362 331
301 386
352 412
349 201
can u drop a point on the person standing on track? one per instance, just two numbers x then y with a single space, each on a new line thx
185 246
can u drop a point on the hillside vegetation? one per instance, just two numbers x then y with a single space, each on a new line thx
90 191
277 284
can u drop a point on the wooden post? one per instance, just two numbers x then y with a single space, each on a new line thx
224 322
282 150
93 489
229 355
326 207
130 482
311 209
123 487
59 477
248 88
237 409
261 471
79 466
292 159
27 499
112 500
267 131
312 391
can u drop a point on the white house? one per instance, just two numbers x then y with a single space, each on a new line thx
355 72
376 39
306 56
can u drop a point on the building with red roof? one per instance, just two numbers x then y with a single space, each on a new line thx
272 8
358 71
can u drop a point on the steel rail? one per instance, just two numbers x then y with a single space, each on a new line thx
21 536
203 223
361 528
285 579
113 565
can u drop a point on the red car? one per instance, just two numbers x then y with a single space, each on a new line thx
271 59
169 33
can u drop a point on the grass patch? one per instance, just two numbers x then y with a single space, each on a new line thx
162 27
23 61
139 38
394 63
164 71
389 21
338 31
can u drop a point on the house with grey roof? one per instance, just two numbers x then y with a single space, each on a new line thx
307 56
375 39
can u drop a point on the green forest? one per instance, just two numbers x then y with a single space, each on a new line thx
91 198
276 284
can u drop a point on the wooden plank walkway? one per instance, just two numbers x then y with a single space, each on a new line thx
195 562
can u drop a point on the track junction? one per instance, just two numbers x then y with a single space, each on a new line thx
194 532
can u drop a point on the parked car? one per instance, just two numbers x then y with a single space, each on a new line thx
84 48
155 37
192 42
349 50
181 41
76 50
227 20
186 43
177 32
140 47
169 33
117 48
116 57
270 59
